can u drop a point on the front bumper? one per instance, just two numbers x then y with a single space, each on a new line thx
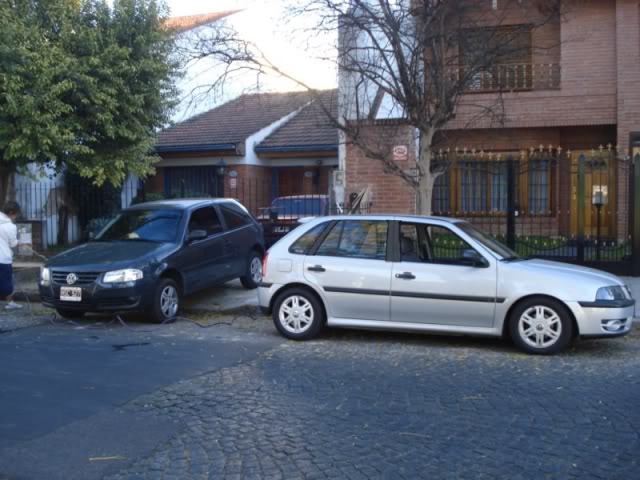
603 320
97 297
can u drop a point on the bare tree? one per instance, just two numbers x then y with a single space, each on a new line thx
417 62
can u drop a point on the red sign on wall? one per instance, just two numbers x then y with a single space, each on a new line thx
400 153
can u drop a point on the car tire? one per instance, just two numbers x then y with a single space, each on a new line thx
298 314
541 326
166 301
253 273
70 313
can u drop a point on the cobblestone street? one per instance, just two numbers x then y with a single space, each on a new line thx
367 405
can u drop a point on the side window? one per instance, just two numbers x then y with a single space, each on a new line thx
411 249
356 239
446 246
234 219
206 219
303 244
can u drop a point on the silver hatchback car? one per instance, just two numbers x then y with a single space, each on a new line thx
438 275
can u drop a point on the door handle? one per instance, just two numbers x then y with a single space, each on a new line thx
406 276
317 268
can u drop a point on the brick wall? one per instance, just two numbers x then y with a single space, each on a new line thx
588 70
155 183
387 193
628 79
516 139
252 186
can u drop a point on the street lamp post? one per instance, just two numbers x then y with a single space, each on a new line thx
598 200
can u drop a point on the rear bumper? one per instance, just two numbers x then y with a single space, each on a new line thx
266 291
101 298
604 321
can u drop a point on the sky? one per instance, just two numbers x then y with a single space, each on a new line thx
263 22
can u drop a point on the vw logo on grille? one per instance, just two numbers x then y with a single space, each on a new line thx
71 279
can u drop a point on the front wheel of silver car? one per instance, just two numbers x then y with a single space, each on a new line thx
541 326
298 314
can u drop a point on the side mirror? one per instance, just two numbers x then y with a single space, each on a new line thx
196 235
273 214
473 259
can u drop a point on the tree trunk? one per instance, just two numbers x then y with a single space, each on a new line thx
426 179
6 192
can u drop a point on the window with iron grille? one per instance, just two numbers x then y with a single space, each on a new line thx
539 186
473 187
476 186
442 193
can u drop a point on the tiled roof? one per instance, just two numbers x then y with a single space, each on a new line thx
189 22
232 122
309 129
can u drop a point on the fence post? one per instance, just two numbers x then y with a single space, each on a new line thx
581 207
511 203
634 214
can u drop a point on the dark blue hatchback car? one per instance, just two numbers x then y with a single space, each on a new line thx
152 254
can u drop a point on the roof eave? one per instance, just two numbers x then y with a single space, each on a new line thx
216 147
297 149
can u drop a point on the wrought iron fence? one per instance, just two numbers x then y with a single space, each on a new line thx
61 215
544 202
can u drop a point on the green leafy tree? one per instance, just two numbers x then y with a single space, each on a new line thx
84 85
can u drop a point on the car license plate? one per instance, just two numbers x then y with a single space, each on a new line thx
71 294
281 229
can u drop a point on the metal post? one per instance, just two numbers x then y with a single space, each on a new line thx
598 208
581 207
511 203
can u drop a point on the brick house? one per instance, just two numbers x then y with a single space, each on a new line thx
576 96
254 148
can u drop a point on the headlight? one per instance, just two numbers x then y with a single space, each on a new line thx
123 276
45 277
611 293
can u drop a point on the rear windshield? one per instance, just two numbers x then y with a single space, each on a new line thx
298 206
143 225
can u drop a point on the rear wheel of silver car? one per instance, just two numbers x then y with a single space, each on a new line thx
298 315
166 302
541 325
253 275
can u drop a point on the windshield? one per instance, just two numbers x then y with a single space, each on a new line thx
297 206
143 225
491 243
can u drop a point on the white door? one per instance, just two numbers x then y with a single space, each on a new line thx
439 281
351 267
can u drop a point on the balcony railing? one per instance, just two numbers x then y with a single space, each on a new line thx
510 78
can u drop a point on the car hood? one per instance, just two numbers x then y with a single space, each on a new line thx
568 270
103 256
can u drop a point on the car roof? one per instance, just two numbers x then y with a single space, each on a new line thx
295 197
399 217
178 204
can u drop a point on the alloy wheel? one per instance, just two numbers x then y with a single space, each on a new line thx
169 301
296 314
540 326
256 269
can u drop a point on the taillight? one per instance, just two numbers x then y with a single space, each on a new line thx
265 259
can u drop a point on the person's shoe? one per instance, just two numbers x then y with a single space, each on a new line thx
12 306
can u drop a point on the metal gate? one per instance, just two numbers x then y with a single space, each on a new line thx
548 203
